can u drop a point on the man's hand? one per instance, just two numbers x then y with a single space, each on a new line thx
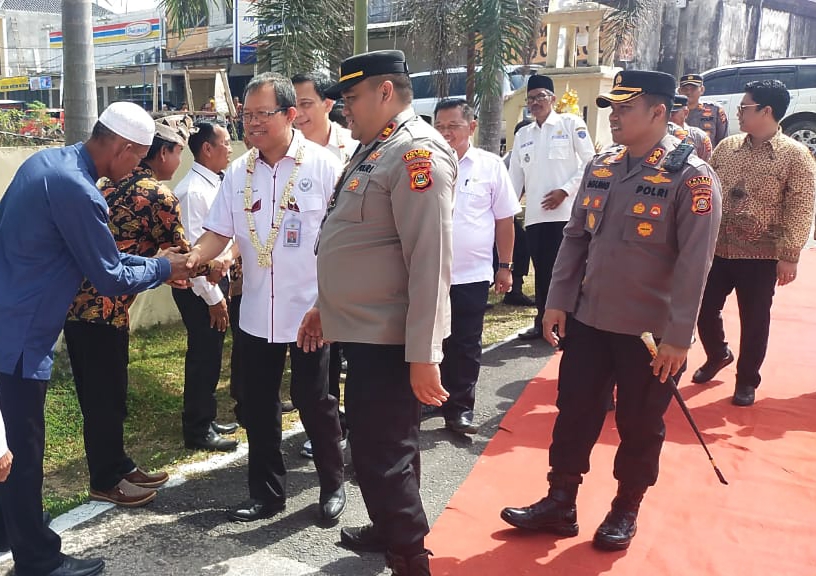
427 384
785 272
219 316
179 263
668 361
504 281
554 319
553 199
310 333
5 465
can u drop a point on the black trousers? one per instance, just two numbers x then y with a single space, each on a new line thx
335 369
383 420
755 283
463 348
521 255
543 240
264 363
99 363
237 368
592 362
35 547
202 363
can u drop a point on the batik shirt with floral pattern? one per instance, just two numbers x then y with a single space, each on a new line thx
144 217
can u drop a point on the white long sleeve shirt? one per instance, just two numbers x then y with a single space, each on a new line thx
196 194
550 157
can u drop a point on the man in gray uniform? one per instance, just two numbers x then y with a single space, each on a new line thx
709 117
384 268
634 259
685 133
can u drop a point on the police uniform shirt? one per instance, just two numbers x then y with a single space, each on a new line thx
275 299
711 119
550 157
694 136
196 193
484 194
341 144
639 244
384 257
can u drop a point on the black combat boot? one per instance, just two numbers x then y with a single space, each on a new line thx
555 514
418 565
620 525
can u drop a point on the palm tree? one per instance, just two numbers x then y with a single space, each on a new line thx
79 80
620 24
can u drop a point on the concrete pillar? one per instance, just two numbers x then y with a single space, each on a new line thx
553 32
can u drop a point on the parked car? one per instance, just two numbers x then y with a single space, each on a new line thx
724 85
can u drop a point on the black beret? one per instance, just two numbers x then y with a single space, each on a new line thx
536 81
630 84
695 79
679 102
357 68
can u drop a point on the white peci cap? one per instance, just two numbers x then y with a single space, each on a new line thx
130 121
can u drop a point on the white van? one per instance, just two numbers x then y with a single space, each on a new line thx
725 85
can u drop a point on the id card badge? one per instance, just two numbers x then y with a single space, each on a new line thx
291 231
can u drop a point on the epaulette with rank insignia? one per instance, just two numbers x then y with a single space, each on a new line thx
676 159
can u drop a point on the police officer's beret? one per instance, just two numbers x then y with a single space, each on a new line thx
679 103
630 84
357 68
694 79
536 81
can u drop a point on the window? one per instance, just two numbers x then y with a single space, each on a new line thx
806 77
722 82
786 74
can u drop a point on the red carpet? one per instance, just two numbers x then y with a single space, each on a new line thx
763 523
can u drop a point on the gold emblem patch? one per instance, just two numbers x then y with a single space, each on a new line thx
585 202
353 185
602 172
639 208
591 221
657 179
645 229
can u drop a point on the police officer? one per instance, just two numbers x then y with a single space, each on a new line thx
685 133
384 268
709 117
635 256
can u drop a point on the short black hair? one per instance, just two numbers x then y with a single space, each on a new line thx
401 82
102 132
450 103
657 99
320 81
771 93
157 146
336 114
284 90
203 131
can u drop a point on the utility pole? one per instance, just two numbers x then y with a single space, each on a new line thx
682 32
360 26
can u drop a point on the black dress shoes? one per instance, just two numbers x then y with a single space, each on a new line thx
514 298
707 371
462 424
76 567
743 395
362 539
252 510
546 515
534 333
211 441
617 530
230 428
333 504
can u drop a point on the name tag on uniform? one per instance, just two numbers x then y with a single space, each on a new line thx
291 233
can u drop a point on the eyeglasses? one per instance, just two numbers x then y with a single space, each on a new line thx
741 108
261 116
538 98
448 127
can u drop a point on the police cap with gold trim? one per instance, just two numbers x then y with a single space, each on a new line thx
631 84
679 103
357 68
694 79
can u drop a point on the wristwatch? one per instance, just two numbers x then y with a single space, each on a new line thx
506 265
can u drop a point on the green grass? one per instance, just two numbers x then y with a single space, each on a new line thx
153 428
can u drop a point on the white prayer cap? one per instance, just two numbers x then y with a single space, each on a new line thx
130 121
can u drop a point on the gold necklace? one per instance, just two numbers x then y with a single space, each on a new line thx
287 201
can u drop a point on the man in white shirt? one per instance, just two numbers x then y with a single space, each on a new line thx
548 162
272 201
483 211
204 308
313 108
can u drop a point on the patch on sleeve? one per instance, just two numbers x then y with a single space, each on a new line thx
417 154
581 132
699 181
701 201
420 176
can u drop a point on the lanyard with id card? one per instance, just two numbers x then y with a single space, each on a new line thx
291 233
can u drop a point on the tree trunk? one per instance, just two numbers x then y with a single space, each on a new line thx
490 117
470 90
79 77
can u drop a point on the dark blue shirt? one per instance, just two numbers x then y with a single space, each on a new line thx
53 233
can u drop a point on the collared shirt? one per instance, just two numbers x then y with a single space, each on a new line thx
484 194
275 299
53 232
384 257
768 196
144 218
711 119
550 157
341 144
638 247
196 193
